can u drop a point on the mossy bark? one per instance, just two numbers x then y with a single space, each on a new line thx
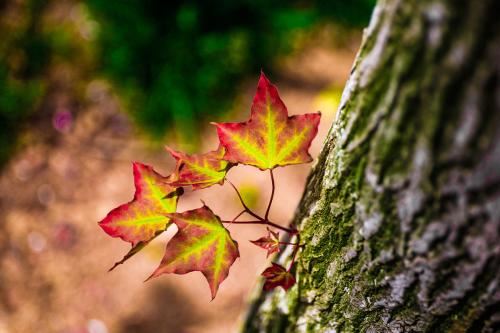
401 213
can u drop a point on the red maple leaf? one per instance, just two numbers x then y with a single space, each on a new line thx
199 170
271 242
277 276
270 138
141 219
200 244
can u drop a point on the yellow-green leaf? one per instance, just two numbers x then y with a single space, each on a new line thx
270 138
199 170
201 244
142 218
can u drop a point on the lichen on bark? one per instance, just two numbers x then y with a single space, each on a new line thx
401 212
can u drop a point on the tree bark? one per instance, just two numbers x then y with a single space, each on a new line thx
401 213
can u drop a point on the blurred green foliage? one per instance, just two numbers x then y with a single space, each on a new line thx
23 55
175 63
178 62
31 44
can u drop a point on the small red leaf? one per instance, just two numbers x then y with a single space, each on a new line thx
199 170
270 138
277 275
144 217
201 244
271 242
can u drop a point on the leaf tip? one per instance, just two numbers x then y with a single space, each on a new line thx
114 266
137 166
213 293
175 154
263 75
152 276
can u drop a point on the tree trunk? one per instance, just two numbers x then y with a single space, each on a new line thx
401 213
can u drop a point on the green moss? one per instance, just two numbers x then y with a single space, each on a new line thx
397 116
359 176
390 230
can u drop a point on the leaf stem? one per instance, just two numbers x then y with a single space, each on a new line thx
260 220
247 209
237 216
264 222
272 195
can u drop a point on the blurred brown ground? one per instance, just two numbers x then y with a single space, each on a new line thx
53 256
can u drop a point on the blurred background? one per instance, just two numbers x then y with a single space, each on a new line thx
86 87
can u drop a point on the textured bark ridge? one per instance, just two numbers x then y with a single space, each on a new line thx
401 214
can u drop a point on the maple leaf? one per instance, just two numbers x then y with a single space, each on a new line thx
199 170
270 138
144 217
202 244
271 242
277 275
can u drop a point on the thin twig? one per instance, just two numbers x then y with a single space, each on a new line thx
237 216
262 222
247 209
277 226
272 195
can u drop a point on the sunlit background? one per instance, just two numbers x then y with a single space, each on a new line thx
86 87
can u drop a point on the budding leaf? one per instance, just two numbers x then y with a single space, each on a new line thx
270 138
199 170
277 275
202 244
144 217
271 242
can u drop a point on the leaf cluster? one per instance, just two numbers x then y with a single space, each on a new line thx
269 139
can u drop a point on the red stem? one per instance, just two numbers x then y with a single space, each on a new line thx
261 220
237 216
248 210
264 222
272 195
